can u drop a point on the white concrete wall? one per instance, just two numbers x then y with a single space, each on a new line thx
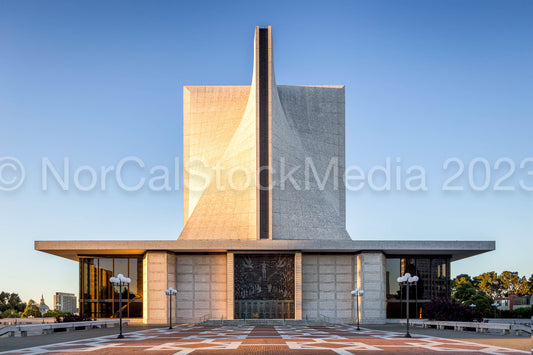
230 269
298 286
308 122
155 281
327 281
371 269
201 285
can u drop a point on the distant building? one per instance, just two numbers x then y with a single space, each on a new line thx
43 308
513 302
65 302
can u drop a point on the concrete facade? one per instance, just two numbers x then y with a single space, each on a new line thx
371 278
221 130
201 280
308 132
327 281
157 267
323 283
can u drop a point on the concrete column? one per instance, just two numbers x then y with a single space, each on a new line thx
371 269
172 282
155 281
229 285
298 286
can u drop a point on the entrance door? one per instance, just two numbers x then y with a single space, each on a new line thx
264 286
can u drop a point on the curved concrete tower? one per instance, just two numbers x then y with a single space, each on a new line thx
263 161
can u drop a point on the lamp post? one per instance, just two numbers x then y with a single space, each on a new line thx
357 292
169 292
120 281
407 280
495 305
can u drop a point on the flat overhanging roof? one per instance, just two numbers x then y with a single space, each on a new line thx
74 248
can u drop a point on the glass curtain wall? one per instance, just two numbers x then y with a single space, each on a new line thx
434 282
99 298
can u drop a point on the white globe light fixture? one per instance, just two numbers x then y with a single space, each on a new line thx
120 281
407 280
169 292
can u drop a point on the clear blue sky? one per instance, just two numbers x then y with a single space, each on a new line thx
425 81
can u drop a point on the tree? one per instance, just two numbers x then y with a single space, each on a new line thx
467 295
512 284
461 279
3 299
11 301
483 304
32 309
464 292
490 283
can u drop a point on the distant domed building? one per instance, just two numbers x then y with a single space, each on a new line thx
43 308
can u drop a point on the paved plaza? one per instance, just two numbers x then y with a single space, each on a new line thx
194 339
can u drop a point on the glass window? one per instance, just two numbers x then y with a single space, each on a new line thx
89 278
105 268
135 291
434 281
393 272
99 298
121 266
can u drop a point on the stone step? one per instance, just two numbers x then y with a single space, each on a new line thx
258 322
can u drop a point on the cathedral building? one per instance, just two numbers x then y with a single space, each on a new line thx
253 245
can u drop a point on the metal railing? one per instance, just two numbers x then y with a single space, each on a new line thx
48 328
264 309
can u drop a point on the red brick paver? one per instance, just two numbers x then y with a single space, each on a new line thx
198 340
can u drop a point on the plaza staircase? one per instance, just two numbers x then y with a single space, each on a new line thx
265 322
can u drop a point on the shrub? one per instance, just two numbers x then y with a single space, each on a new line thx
446 310
525 312
10 313
55 313
73 318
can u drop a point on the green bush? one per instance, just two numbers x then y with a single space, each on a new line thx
525 312
55 313
446 310
73 318
10 313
